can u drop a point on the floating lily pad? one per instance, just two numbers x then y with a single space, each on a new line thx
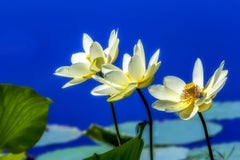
170 132
229 151
223 110
56 134
75 153
166 153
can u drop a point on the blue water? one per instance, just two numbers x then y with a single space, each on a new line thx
36 37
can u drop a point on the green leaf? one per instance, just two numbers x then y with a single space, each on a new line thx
104 135
130 150
56 134
23 116
11 156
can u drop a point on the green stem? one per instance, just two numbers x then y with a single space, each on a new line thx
115 123
114 117
206 135
150 122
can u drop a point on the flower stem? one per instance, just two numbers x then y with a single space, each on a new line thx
115 123
206 135
150 122
114 117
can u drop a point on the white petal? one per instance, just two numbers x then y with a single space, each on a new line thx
112 52
115 97
74 82
126 60
113 37
197 74
102 90
151 71
79 57
205 106
80 70
154 58
96 51
211 82
75 70
109 67
87 42
117 77
162 93
123 93
167 106
174 83
63 71
139 50
136 68
216 88
188 113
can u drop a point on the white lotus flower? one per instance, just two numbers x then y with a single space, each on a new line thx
88 63
119 83
188 99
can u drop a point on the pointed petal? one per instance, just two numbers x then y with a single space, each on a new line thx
104 81
87 42
136 69
188 113
63 71
103 90
216 88
109 67
112 37
211 82
149 76
205 106
74 82
139 50
197 75
96 51
163 93
115 97
168 106
117 77
123 93
75 70
126 60
79 57
113 52
154 58
174 83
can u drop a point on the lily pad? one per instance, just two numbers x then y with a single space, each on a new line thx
56 134
223 110
172 132
166 153
75 153
229 151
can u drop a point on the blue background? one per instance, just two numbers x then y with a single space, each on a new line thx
37 37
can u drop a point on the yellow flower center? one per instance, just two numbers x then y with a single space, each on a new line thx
190 94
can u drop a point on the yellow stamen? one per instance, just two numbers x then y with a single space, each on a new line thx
190 94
